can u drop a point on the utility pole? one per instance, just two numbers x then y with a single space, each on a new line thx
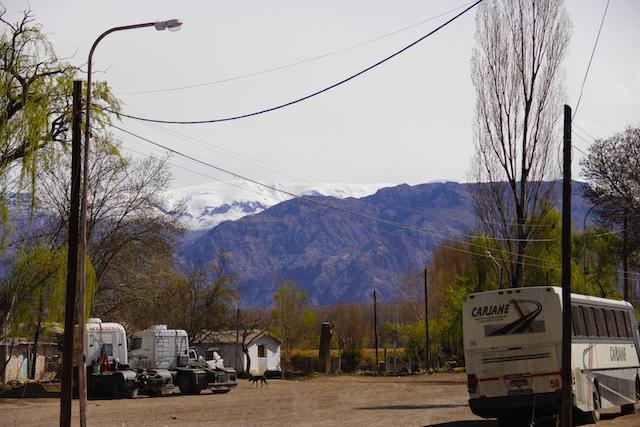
236 364
427 359
375 325
567 388
72 260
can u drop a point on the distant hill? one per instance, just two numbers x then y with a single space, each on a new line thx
341 257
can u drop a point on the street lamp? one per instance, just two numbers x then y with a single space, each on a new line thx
172 25
488 253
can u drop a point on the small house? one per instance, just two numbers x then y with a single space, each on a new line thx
263 349
16 361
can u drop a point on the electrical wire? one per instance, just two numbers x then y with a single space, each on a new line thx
293 64
210 147
573 124
593 51
362 226
304 98
311 200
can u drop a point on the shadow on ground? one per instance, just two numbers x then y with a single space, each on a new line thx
30 390
479 423
418 406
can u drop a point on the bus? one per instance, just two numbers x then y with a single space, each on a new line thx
513 354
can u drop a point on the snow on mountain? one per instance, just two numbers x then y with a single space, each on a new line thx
207 205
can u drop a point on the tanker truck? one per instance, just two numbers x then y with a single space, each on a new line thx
157 360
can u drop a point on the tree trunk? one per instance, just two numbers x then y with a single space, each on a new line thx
36 340
625 257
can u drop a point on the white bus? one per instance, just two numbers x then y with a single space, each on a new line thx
513 353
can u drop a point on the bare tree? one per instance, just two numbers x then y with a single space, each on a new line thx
251 326
516 71
613 170
200 302
130 227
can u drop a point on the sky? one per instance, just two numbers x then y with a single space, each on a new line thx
407 121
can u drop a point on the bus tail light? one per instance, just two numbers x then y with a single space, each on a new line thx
472 383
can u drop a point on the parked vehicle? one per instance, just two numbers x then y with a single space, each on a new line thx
158 360
513 352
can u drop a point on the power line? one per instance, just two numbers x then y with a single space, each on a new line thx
210 147
584 80
362 226
310 200
293 64
304 98
583 131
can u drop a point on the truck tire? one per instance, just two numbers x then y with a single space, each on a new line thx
187 383
594 416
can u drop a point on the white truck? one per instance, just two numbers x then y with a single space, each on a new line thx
158 360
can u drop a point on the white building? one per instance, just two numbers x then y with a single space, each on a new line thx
263 349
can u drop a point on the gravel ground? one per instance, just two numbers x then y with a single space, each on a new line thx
435 400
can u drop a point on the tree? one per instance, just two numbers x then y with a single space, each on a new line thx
515 68
292 322
34 295
251 326
131 228
35 101
613 169
200 302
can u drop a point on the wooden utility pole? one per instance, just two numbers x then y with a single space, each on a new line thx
375 325
427 359
72 260
567 388
236 364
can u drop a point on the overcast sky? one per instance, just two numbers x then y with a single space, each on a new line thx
406 121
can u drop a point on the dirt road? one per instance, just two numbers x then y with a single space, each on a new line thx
435 400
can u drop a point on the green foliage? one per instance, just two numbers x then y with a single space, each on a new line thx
593 272
35 106
292 322
35 294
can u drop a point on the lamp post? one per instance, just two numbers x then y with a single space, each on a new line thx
488 253
172 25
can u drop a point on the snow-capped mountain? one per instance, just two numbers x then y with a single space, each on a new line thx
207 205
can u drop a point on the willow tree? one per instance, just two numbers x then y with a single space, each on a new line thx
35 103
516 71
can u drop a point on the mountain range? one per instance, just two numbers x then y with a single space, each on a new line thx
339 242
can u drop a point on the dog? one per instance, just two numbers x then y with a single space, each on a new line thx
254 379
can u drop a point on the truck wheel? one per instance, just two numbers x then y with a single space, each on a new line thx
594 416
187 384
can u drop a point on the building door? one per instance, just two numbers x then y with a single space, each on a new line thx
262 358
24 367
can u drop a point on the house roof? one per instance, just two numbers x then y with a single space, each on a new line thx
229 337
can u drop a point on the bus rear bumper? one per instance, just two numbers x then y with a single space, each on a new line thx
488 407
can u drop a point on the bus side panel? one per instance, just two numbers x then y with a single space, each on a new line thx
611 366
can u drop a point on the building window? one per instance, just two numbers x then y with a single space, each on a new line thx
262 352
